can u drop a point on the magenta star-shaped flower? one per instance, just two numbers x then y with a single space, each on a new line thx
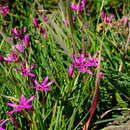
23 104
26 71
83 63
92 61
43 86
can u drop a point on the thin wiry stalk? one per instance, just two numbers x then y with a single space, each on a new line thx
128 42
96 93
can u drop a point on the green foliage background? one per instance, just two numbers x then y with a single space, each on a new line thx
67 106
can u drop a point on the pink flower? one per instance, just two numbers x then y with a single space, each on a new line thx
70 71
79 7
125 20
84 63
81 63
82 5
23 103
26 71
43 86
35 22
74 6
101 75
12 57
107 19
18 34
73 19
84 68
4 10
43 31
44 35
15 32
2 123
26 40
40 28
18 47
45 18
78 60
92 61
103 15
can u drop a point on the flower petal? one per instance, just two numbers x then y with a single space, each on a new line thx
28 106
30 99
88 71
32 66
70 71
3 122
33 86
12 105
45 80
22 99
31 74
38 84
50 83
15 110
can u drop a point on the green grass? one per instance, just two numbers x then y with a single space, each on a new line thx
67 106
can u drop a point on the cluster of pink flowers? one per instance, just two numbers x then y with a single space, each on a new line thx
107 19
41 29
25 70
4 10
80 6
43 86
18 34
83 63
23 102
19 47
